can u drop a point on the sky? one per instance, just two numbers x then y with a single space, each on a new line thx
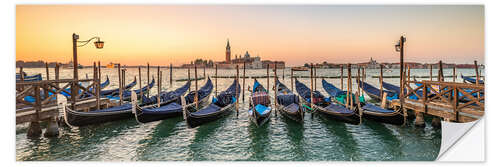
296 34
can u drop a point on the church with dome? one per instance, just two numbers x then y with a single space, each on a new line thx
249 61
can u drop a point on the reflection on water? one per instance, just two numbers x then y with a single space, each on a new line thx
234 137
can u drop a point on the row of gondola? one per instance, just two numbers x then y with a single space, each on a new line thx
197 108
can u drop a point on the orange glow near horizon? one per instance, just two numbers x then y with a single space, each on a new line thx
178 34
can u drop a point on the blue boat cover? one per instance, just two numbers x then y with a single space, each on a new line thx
203 92
374 108
391 87
338 108
471 80
167 96
257 87
331 89
212 108
375 91
262 109
222 100
169 108
287 99
285 96
305 93
36 77
115 91
127 93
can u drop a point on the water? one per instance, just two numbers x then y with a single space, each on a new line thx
235 137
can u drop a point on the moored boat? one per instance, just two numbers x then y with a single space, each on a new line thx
176 107
79 118
325 106
220 106
370 111
260 104
288 103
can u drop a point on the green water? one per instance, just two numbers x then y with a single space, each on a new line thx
234 137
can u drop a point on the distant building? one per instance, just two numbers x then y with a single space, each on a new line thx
249 61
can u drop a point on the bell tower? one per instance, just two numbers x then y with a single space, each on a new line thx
228 52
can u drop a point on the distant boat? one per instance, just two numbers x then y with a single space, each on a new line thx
300 68
70 66
111 65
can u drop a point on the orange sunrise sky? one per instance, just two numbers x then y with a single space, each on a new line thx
296 34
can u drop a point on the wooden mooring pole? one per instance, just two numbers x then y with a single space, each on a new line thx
47 70
159 85
215 80
454 72
120 83
171 71
244 78
196 86
189 79
349 87
98 90
140 82
275 89
238 92
311 101
283 73
267 77
147 71
477 73
341 77
430 72
291 78
315 81
381 80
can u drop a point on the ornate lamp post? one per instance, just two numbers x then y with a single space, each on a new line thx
400 48
98 44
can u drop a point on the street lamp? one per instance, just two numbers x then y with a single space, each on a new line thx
398 45
98 44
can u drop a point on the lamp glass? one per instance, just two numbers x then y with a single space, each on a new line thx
99 44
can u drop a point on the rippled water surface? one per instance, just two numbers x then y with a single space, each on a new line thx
234 137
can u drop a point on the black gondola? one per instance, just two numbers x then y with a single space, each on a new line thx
221 106
374 92
78 118
471 80
114 91
325 106
127 93
259 106
370 111
175 108
288 104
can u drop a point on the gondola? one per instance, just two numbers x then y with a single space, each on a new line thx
127 93
470 79
221 106
115 91
288 103
397 90
78 118
370 111
325 106
374 92
30 78
260 104
175 108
